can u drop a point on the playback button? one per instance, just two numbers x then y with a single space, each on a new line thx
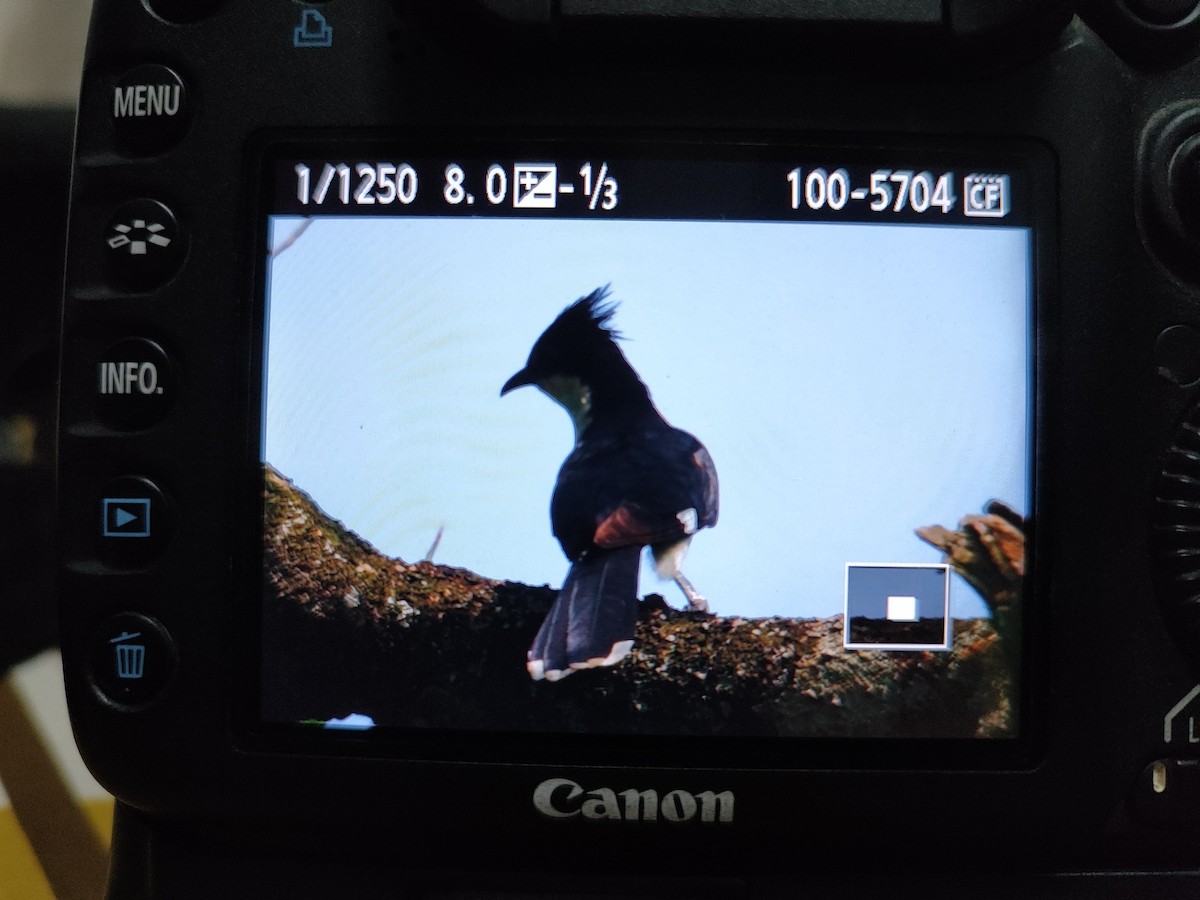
136 520
132 659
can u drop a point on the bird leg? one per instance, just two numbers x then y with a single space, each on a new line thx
696 601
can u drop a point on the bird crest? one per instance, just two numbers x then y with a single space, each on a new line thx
583 322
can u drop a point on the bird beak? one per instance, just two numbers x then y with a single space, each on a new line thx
521 379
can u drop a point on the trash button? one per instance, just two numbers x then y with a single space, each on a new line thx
133 659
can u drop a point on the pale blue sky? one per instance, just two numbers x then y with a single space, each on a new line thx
852 382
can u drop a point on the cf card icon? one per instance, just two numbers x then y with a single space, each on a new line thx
987 196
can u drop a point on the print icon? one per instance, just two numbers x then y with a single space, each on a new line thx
143 243
313 30
138 236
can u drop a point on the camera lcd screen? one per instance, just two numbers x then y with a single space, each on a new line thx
649 440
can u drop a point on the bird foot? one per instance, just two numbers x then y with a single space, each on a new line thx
696 601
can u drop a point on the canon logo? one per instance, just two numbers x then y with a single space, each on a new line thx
561 798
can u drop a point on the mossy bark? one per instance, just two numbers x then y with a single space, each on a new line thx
347 629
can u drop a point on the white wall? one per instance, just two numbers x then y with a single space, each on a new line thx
41 45
41 49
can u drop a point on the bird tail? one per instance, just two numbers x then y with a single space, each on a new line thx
592 621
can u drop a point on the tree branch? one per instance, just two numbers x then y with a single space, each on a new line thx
348 629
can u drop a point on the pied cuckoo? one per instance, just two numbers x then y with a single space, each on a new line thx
631 481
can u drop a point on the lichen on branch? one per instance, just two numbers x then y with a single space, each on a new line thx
348 629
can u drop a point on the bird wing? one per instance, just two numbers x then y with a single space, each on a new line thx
657 485
710 490
630 524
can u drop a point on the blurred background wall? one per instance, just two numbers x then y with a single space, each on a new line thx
41 51
41 46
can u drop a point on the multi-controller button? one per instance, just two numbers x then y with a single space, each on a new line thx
1185 182
149 108
132 659
1177 353
181 11
135 520
144 244
1162 12
135 384
1170 155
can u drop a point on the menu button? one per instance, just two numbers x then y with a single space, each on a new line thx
149 108
142 100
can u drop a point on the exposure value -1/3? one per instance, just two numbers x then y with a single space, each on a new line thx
534 185
896 190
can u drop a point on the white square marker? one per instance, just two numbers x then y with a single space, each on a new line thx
902 609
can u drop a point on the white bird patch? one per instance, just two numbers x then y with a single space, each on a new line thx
689 519
669 559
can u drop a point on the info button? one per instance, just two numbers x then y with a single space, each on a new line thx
135 383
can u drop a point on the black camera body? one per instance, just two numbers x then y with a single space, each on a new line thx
923 278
